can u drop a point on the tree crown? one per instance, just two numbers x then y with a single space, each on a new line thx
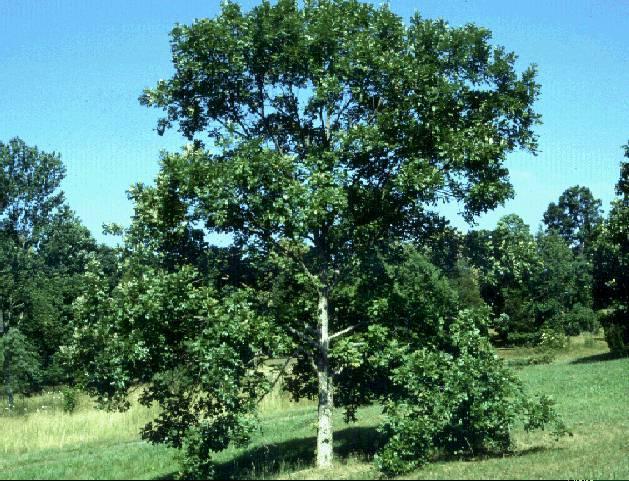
336 123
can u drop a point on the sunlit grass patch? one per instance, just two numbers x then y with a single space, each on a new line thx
39 423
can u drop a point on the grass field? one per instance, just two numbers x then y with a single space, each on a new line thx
592 393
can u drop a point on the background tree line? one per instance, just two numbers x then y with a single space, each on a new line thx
44 251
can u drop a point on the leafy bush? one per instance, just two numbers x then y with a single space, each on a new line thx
70 399
461 400
19 362
201 362
551 339
580 319
616 327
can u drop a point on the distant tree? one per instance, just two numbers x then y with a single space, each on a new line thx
43 252
561 289
514 262
575 217
515 251
466 280
63 251
444 246
333 128
30 194
611 266
531 283
507 257
20 361
30 182
64 243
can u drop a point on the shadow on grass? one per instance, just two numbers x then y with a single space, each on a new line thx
470 457
606 356
360 443
295 454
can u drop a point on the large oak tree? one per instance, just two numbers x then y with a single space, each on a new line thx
322 136
331 128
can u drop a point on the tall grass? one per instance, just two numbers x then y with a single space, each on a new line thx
39 423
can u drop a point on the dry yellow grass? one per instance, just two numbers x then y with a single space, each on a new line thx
42 424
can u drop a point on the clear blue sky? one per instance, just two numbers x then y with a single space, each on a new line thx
71 72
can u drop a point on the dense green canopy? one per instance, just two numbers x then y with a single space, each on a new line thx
575 217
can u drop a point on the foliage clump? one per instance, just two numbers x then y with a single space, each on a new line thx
575 217
20 362
611 267
201 361
462 400
70 399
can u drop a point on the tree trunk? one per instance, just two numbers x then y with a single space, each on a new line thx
326 395
7 381
6 365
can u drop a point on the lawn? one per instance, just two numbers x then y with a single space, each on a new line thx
592 393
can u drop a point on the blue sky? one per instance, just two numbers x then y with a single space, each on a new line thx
71 72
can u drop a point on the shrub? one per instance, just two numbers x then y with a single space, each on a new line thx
551 340
616 326
461 400
580 319
70 399
20 363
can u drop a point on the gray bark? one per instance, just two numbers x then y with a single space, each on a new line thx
326 388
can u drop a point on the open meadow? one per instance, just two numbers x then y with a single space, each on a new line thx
591 389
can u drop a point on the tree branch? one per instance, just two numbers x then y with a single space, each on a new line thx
228 128
266 236
343 108
346 330
283 370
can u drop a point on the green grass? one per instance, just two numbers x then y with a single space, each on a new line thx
592 393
